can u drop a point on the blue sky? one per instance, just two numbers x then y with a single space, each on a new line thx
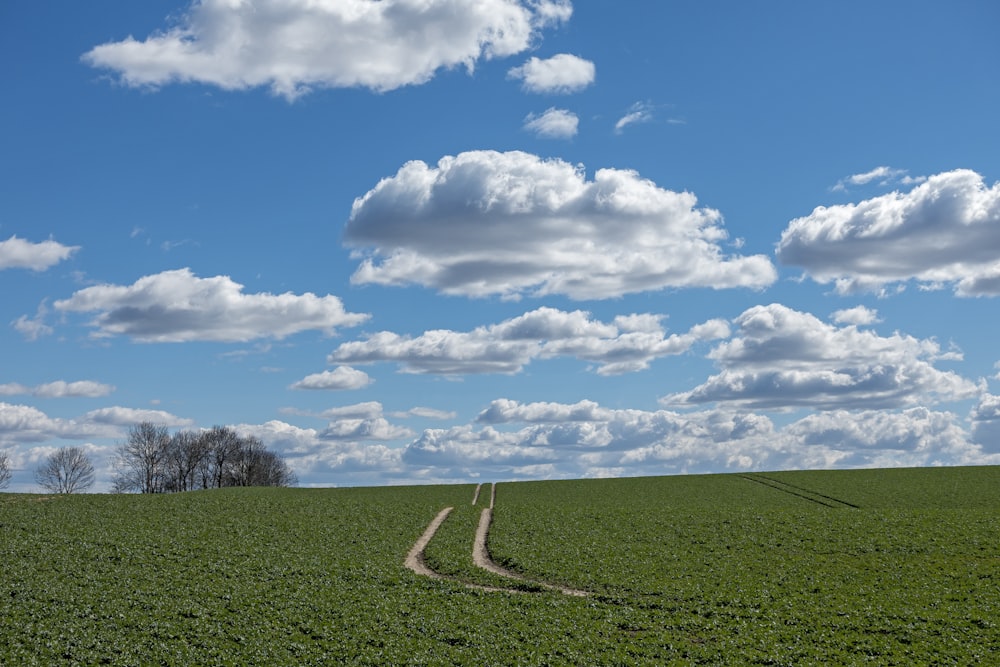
440 241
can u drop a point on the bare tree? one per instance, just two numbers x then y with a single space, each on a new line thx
185 454
4 470
222 445
151 461
273 471
140 461
66 470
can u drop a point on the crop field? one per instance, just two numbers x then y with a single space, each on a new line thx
886 567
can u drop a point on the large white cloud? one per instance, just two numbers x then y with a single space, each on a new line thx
16 253
783 358
176 306
627 344
484 222
943 232
293 46
562 73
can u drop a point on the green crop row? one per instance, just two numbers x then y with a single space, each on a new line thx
684 570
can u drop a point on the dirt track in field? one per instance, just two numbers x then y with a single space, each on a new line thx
480 552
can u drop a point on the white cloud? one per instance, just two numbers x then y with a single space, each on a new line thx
425 413
629 344
859 315
512 223
293 46
588 440
23 423
553 124
502 411
356 430
119 416
16 253
340 378
985 418
366 410
326 462
640 112
59 389
33 328
783 358
884 175
177 306
944 232
562 73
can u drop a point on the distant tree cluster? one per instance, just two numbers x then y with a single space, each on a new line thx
151 460
4 470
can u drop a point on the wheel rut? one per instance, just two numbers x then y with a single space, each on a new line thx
480 553
801 492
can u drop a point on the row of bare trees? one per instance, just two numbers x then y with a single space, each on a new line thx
151 460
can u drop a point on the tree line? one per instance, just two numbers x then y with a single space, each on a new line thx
151 460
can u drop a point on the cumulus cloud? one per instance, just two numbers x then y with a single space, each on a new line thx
783 358
985 418
944 232
640 112
177 306
627 344
484 223
377 428
859 315
293 46
120 416
553 124
59 389
502 411
588 440
24 423
16 253
562 73
340 378
325 462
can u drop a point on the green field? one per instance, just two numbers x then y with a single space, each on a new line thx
847 567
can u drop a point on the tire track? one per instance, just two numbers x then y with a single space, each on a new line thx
480 554
415 558
800 492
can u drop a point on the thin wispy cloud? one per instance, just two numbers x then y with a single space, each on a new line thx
640 112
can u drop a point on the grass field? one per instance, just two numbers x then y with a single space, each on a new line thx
847 567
